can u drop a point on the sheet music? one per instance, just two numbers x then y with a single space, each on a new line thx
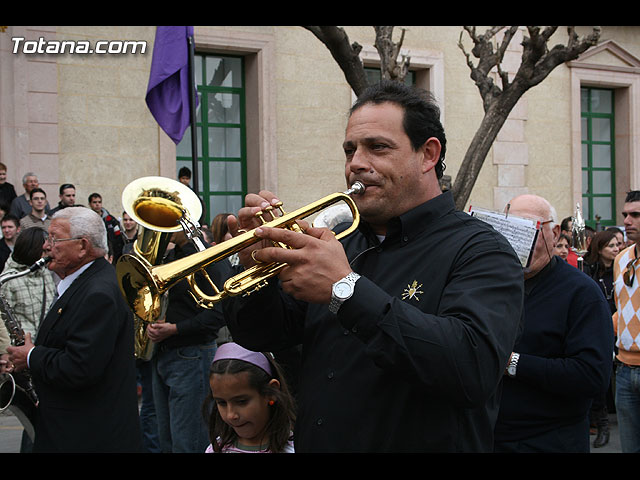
520 232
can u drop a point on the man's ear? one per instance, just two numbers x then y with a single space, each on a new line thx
431 151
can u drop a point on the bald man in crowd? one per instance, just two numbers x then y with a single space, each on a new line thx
563 358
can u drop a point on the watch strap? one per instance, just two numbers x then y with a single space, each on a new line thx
513 364
335 303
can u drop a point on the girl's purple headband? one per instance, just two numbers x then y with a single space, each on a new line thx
236 352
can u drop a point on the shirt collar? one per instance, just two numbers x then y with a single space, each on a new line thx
44 216
413 222
66 282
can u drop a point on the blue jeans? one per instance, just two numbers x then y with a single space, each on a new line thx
180 386
628 407
148 421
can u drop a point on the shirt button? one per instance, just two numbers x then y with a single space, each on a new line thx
330 375
319 422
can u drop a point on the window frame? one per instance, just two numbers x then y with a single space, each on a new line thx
589 169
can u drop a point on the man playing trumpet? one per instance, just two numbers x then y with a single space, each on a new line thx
407 324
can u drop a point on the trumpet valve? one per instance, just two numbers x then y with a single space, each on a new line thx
295 227
255 288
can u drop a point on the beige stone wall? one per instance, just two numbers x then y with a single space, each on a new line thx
107 135
82 118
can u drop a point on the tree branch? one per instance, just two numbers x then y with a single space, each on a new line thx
389 51
346 55
488 59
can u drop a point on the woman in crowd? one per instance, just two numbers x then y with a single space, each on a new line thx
562 247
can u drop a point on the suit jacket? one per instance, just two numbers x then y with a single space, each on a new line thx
5 253
83 369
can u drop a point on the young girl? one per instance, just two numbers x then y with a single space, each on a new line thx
253 410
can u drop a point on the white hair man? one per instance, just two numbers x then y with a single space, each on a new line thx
83 354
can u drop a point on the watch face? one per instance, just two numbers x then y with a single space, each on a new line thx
342 290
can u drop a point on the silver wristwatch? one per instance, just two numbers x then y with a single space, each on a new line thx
513 363
342 290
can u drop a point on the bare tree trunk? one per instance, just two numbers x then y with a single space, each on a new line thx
478 149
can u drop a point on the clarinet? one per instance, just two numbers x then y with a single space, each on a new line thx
22 379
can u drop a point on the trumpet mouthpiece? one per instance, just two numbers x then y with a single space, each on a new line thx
357 188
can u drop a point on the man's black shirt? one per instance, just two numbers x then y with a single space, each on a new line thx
413 360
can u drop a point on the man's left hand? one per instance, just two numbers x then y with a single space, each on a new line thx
18 355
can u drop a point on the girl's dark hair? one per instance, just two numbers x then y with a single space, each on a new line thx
598 242
28 247
282 412
421 113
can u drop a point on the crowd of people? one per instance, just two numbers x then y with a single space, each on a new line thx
419 332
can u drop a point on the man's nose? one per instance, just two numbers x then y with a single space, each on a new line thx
359 162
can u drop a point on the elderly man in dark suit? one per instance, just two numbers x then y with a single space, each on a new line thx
82 363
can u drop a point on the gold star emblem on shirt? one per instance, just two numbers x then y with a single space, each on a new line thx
412 291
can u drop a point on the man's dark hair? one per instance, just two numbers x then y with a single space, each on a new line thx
94 195
564 225
421 113
11 218
64 186
36 190
633 196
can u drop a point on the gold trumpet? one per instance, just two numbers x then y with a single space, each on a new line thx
144 284
161 207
